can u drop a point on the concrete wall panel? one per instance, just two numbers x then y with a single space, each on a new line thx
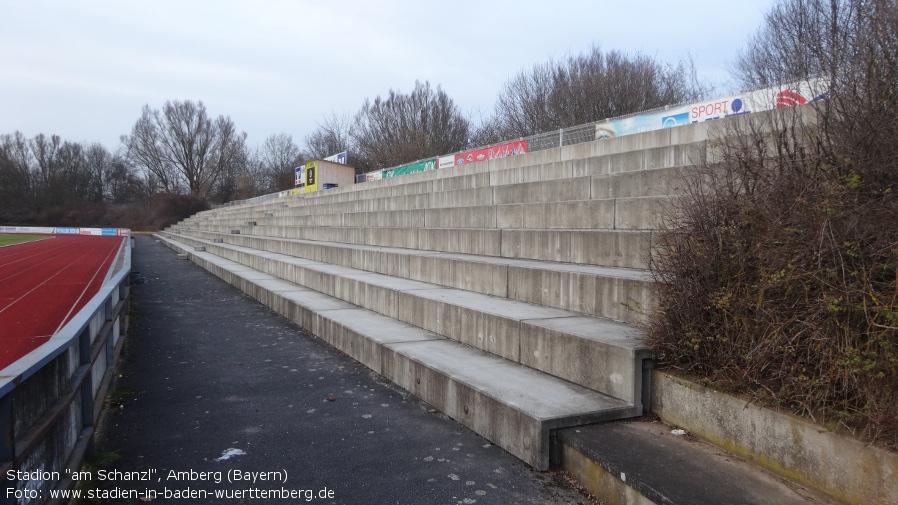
642 213
479 277
546 191
604 368
461 217
386 219
486 242
357 291
414 188
533 173
461 181
489 332
475 197
548 245
627 249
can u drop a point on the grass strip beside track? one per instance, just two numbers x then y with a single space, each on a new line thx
15 238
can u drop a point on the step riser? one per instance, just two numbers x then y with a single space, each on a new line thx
577 359
533 173
460 182
590 214
620 299
461 217
547 191
626 249
486 242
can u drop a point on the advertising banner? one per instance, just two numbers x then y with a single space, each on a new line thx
491 153
299 176
311 178
90 231
744 103
374 176
411 168
27 229
123 232
446 161
337 158
66 231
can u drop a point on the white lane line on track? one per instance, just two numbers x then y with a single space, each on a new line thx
86 287
48 279
59 252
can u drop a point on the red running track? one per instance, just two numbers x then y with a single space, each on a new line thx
43 284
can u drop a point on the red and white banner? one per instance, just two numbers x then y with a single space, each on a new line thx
491 153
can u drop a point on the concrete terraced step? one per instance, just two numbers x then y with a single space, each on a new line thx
607 248
600 354
642 183
617 293
618 171
628 213
514 406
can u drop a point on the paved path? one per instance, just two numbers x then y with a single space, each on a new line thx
208 370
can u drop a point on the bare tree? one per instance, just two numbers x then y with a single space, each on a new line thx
277 158
147 150
60 171
120 183
16 181
332 136
407 127
183 148
228 160
586 88
522 107
799 40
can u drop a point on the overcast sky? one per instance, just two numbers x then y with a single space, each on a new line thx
84 70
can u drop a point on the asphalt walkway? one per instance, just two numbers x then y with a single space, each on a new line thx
221 400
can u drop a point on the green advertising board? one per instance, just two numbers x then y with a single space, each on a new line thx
411 168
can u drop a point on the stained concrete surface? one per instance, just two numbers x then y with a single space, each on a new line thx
207 369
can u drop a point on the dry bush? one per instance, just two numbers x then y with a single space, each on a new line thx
779 278
778 268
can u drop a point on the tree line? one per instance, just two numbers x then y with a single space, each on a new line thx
182 157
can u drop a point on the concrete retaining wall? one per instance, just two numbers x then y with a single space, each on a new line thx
803 451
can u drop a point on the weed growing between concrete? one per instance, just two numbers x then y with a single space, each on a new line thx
99 461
